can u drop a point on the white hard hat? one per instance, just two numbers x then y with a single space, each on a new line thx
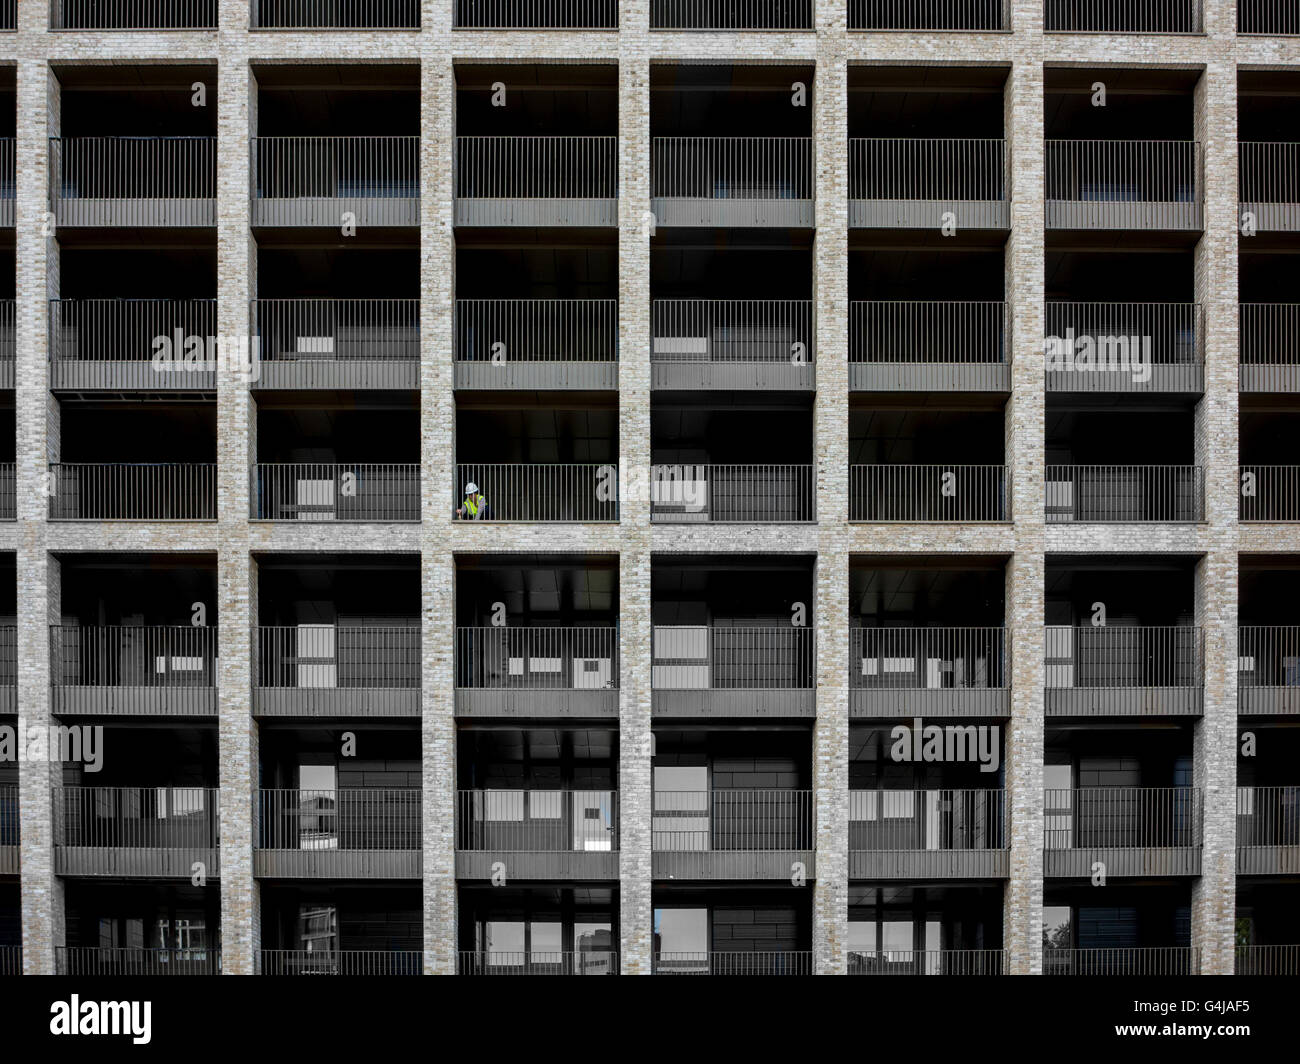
471 488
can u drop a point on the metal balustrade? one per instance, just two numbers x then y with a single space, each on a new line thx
731 168
757 962
536 14
504 331
537 659
342 819
8 492
123 181
535 820
8 21
779 331
929 332
537 167
708 657
8 342
927 659
1266 960
1123 184
1268 817
8 667
1268 347
1125 494
537 962
1123 670
340 962
125 820
319 491
1279 18
133 14
717 494
168 344
133 491
320 657
927 962
1123 16
540 491
8 187
1122 818
731 14
1151 960
310 180
1269 493
911 182
133 668
117 960
9 817
937 818
11 960
335 15
1267 172
1268 669
889 493
314 331
983 15
1124 347
732 820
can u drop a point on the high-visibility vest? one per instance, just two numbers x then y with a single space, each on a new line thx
473 506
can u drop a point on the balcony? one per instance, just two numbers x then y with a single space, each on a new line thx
1133 831
1269 493
133 670
731 494
136 831
1123 16
1268 184
706 671
547 835
1125 494
1268 348
732 834
129 182
1124 671
8 498
535 15
1125 347
905 183
987 16
323 344
929 834
757 962
541 344
537 672
8 341
111 344
115 961
928 962
338 834
11 959
731 15
732 344
1268 670
1267 960
340 962
536 181
8 669
1152 960
1124 184
537 962
920 346
7 186
732 182
133 15
1268 831
326 670
545 493
133 491
1267 17
880 494
8 833
335 15
315 181
932 672
355 492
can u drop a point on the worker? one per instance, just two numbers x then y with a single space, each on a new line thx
475 507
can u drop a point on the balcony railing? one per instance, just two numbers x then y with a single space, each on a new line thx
738 181
11 959
537 180
731 14
123 181
312 180
353 491
537 962
337 820
1266 960
1270 493
502 343
537 491
717 494
325 657
8 189
901 345
1125 494
9 819
758 962
707 657
944 671
324 343
113 343
1268 669
8 492
341 962
537 821
1268 347
1267 175
8 335
133 669
932 819
1151 960
133 15
1268 830
732 343
133 491
889 493
1124 347
136 831
114 960
1123 16
1123 670
537 659
1122 818
8 21
901 182
927 962
536 14
732 820
983 15
1275 17
335 15
1123 184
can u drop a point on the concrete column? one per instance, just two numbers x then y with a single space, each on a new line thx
636 914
